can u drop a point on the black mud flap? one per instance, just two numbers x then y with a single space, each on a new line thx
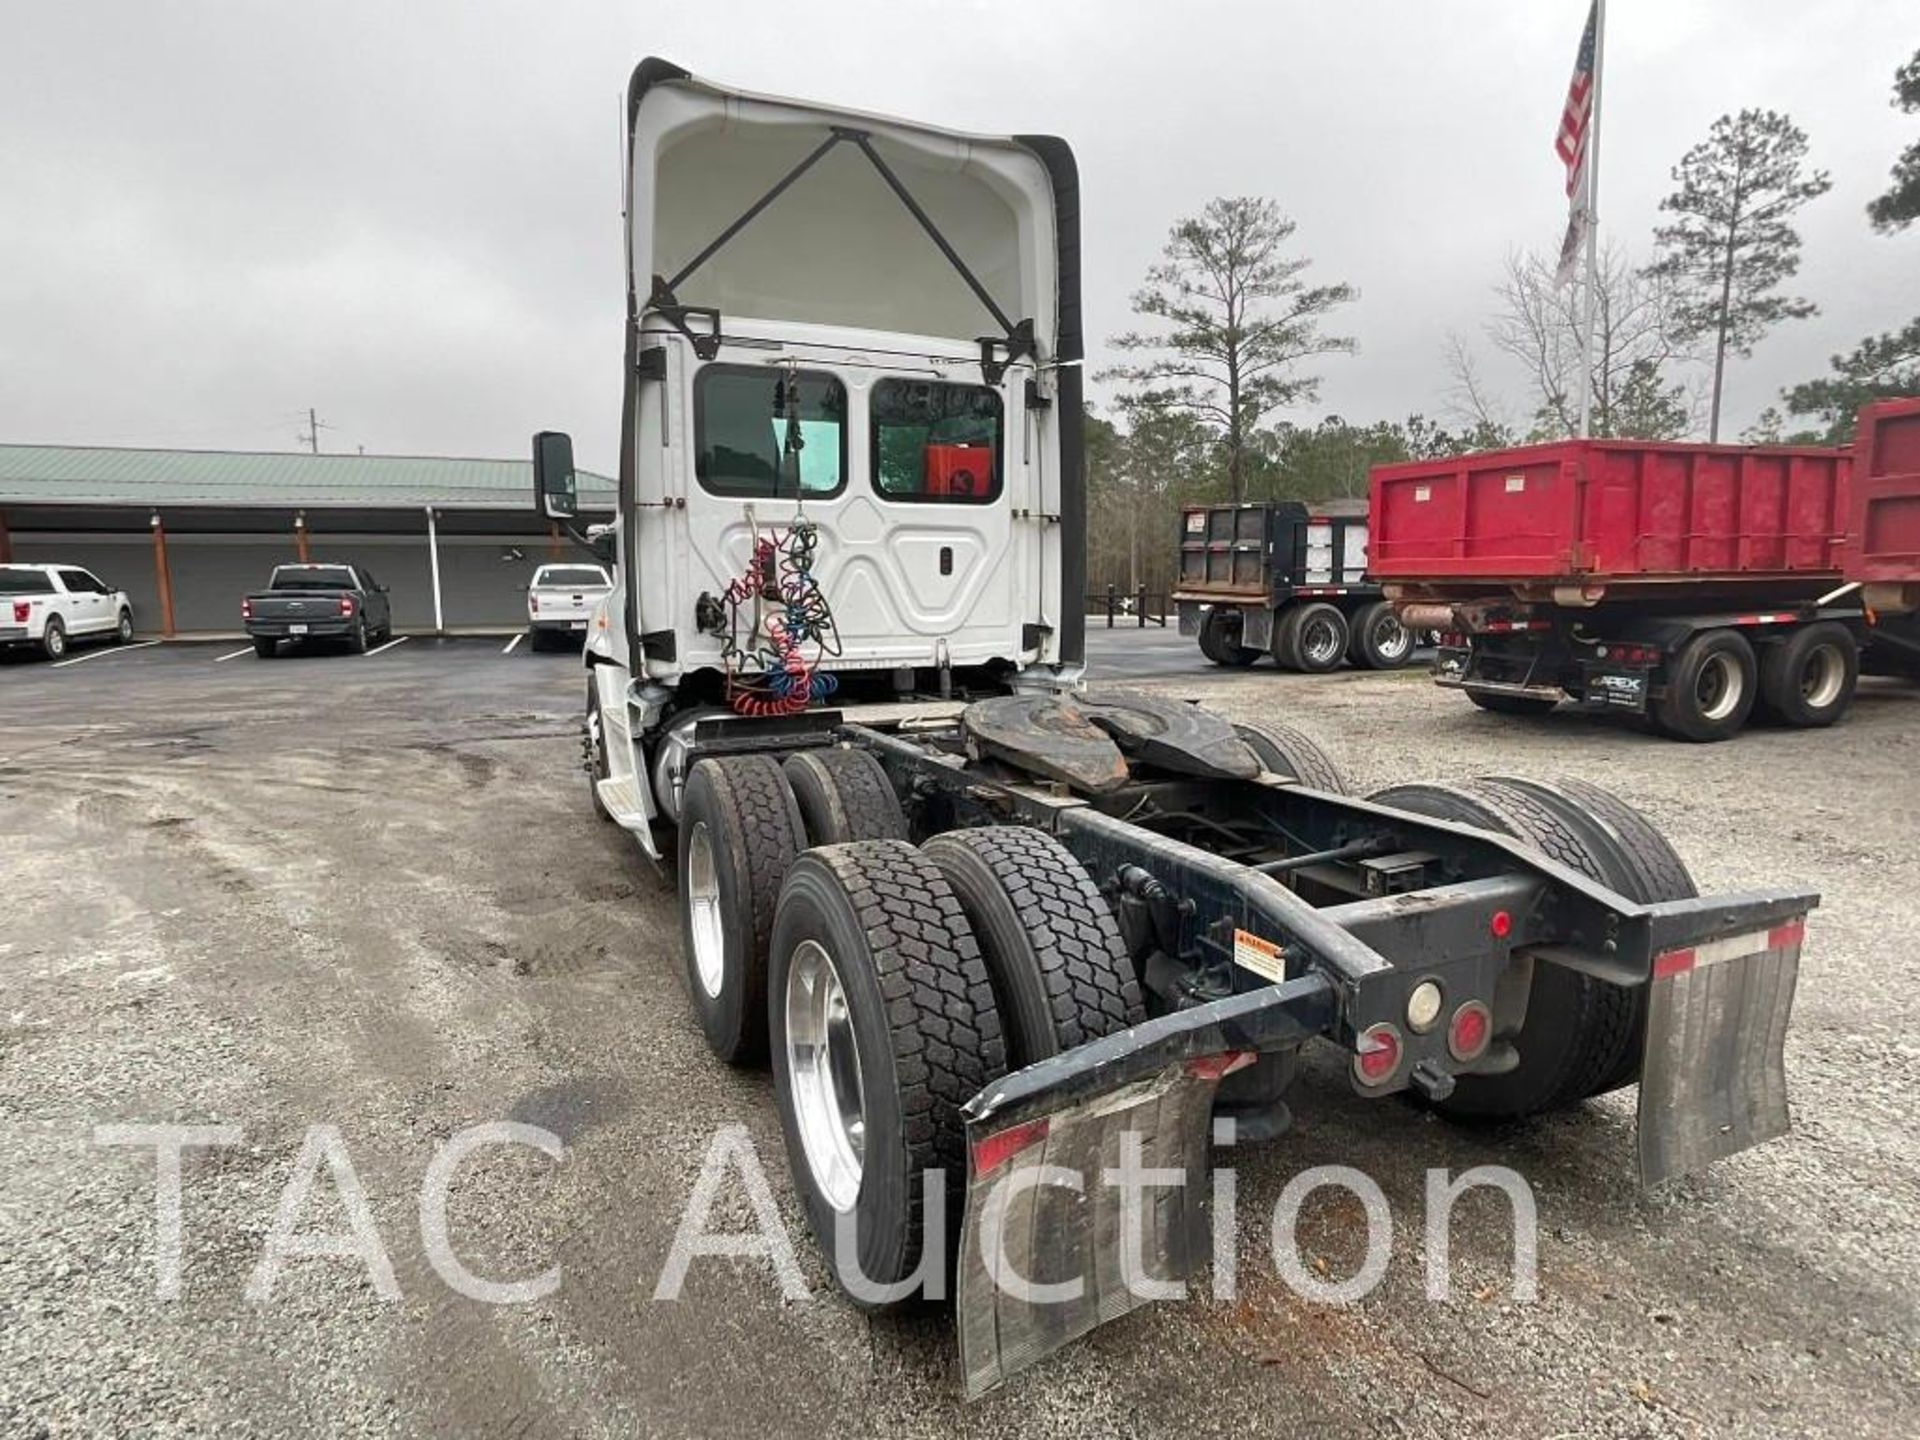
1714 1078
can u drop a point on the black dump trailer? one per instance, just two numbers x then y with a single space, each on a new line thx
1285 579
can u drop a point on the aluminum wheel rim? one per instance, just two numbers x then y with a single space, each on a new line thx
56 641
823 1070
703 912
1825 675
1391 639
1319 644
1720 687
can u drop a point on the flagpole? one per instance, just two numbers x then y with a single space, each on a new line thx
1593 219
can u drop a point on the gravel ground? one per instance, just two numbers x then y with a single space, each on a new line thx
369 894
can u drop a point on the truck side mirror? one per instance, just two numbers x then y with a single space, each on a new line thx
555 490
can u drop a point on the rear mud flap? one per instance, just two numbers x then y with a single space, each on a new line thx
1053 1246
1713 1081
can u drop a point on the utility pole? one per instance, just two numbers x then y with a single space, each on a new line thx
312 433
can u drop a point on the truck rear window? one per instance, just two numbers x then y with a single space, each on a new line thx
25 582
314 577
577 576
936 441
741 422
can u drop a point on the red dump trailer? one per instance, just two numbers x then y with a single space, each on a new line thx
1692 585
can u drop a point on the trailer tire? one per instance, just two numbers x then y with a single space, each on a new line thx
1632 857
1577 1028
1061 974
1807 680
1282 750
1512 704
1711 688
1378 640
916 1009
740 831
1219 647
1318 640
844 795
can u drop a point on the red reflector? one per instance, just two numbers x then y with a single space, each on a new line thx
1791 933
1501 924
1378 1054
1470 1031
990 1152
1672 962
1214 1067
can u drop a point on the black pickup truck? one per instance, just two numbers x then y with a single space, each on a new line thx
306 602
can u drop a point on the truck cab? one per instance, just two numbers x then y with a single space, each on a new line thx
850 457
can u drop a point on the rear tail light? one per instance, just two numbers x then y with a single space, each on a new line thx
246 609
533 604
1470 1031
1377 1058
346 605
21 609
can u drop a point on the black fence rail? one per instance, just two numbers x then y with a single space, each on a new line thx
1143 606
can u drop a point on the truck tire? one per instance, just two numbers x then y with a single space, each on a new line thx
357 637
1807 680
1711 688
123 627
1512 704
53 639
1379 641
1218 642
1630 856
265 646
1579 1031
1061 974
844 795
1283 750
882 1014
739 833
1286 626
593 740
1319 640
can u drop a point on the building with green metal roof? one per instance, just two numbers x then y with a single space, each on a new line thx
456 539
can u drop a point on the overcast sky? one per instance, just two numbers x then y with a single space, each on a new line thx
213 215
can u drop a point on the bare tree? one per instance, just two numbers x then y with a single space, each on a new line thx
1242 321
1635 348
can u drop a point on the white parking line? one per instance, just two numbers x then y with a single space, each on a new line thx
234 656
513 642
105 650
401 640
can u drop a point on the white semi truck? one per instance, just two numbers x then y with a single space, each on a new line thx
991 929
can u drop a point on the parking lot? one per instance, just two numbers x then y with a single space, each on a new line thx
368 892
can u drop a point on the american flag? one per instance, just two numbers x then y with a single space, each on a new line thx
1571 143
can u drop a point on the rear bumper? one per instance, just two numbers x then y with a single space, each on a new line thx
560 625
1054 1244
336 626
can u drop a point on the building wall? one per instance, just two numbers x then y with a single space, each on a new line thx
483 579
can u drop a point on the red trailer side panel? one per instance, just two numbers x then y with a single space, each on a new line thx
1611 511
1884 538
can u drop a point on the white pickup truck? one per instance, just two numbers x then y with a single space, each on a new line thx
561 601
49 606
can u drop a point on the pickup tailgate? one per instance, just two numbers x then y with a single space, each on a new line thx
556 604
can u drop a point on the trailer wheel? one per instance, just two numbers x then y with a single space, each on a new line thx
1222 648
1711 688
1512 704
1061 974
1807 680
739 833
1319 639
1282 750
1379 641
844 795
1631 856
883 1026
1577 1030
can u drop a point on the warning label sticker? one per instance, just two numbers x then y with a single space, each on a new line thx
1263 957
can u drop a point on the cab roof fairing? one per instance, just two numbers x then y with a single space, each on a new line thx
839 248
